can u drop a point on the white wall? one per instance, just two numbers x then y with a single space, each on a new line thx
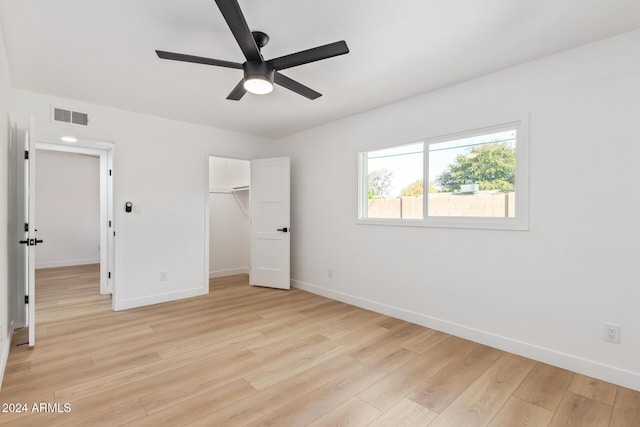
545 292
5 88
229 224
162 167
67 209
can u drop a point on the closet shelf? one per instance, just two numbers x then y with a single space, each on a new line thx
230 190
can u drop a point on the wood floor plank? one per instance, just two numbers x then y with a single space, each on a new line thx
425 340
405 413
198 405
626 410
394 387
208 342
519 413
593 389
310 406
438 391
166 369
169 388
352 413
251 356
272 399
396 335
113 413
352 322
279 369
544 386
17 368
482 400
28 397
577 410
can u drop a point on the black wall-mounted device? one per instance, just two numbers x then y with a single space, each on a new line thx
128 207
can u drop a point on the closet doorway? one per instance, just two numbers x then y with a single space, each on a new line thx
229 216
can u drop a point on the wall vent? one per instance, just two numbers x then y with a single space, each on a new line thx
61 115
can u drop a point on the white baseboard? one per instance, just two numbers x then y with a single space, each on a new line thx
550 356
67 263
160 298
4 354
228 272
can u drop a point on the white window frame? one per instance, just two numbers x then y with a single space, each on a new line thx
519 222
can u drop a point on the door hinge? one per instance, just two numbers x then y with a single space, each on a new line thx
26 155
109 275
26 299
109 224
26 227
109 172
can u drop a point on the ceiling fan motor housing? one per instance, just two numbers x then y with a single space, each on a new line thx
258 70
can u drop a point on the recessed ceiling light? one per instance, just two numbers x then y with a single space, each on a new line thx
69 139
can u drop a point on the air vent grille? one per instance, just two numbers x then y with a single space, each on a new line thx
62 115
79 118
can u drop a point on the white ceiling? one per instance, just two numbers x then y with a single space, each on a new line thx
103 51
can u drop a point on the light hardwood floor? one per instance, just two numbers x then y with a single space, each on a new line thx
245 356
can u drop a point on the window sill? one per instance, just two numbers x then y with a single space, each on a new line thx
512 224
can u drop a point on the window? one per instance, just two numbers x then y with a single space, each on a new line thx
392 174
474 179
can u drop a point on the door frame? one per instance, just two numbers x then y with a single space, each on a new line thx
207 213
105 152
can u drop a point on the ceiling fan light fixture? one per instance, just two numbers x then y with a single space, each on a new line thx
258 77
258 85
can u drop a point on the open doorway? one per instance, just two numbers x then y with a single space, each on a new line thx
229 217
67 265
68 209
62 155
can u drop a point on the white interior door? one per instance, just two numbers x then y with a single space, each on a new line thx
25 224
20 221
26 235
270 216
33 240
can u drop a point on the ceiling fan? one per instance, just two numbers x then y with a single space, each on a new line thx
260 75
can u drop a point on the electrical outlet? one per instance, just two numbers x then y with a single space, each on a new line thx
163 276
612 333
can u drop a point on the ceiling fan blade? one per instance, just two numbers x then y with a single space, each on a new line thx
310 55
238 92
296 87
197 59
238 25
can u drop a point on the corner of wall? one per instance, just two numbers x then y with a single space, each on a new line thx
5 346
5 89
